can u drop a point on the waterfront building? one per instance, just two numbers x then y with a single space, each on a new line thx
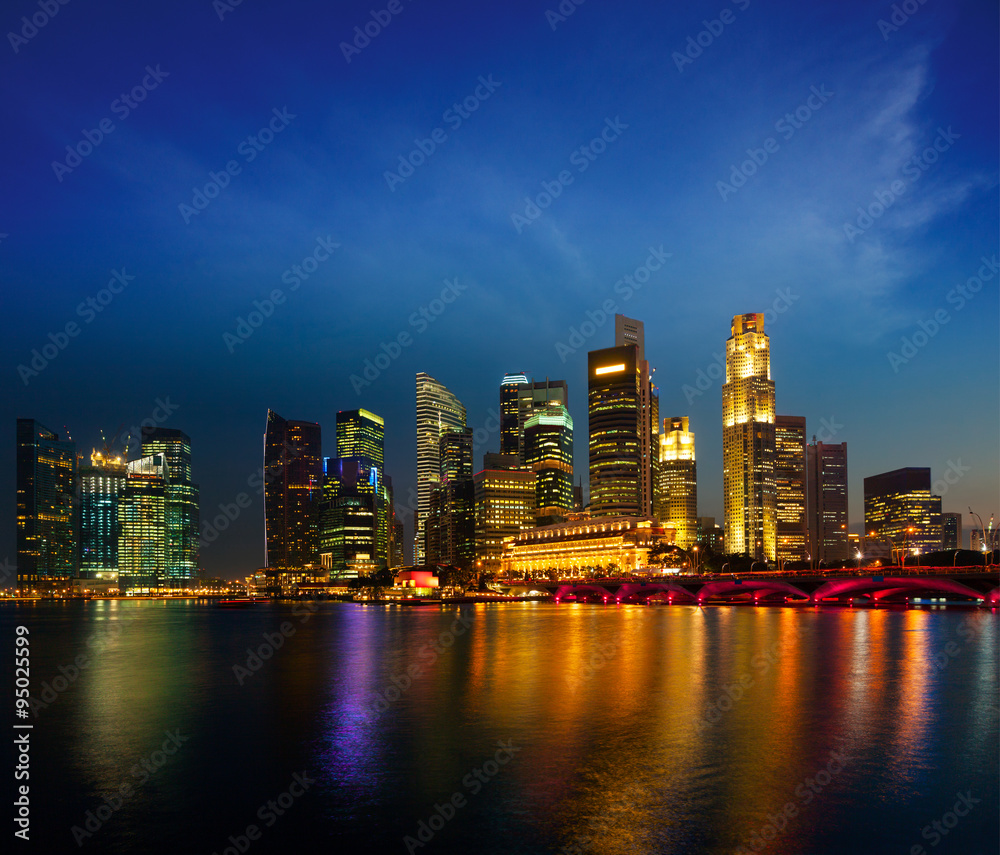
293 478
951 530
505 506
630 332
826 502
548 452
899 507
47 545
677 491
450 531
790 488
520 399
101 487
748 413
142 517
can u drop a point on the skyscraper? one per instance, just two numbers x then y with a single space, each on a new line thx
438 411
629 331
520 398
293 472
361 435
46 517
615 434
142 517
899 506
951 530
451 521
677 494
505 506
102 485
748 440
790 487
548 452
348 530
826 501
182 504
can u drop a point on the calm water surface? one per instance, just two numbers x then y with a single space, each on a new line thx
620 730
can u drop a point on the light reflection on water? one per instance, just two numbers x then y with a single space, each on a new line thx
639 729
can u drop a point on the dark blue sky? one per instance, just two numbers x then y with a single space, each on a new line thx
872 103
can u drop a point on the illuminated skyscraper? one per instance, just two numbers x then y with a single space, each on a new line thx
677 505
46 522
748 440
899 506
182 504
450 531
438 412
142 517
293 472
505 506
826 501
520 399
348 530
548 452
629 331
102 485
361 433
615 433
790 487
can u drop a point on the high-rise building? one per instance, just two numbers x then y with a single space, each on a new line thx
790 487
520 399
548 452
142 516
615 456
677 493
711 535
438 412
630 332
293 473
46 517
951 530
451 521
826 501
748 440
899 506
348 532
101 487
397 555
505 506
361 433
182 504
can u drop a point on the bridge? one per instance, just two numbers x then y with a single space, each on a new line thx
885 585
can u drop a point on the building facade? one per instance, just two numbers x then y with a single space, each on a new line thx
790 488
102 485
505 506
293 479
142 517
630 332
749 498
438 412
900 508
450 531
548 452
47 545
951 530
677 494
826 501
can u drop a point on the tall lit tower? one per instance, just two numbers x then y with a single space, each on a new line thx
792 537
548 451
438 412
510 421
614 410
182 504
142 517
293 473
46 530
102 485
678 488
826 501
629 331
748 440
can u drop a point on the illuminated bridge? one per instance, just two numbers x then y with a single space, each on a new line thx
891 585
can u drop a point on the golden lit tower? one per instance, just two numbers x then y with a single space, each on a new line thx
677 505
748 440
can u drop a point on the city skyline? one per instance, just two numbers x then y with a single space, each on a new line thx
307 282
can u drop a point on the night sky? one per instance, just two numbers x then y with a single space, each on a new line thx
742 159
